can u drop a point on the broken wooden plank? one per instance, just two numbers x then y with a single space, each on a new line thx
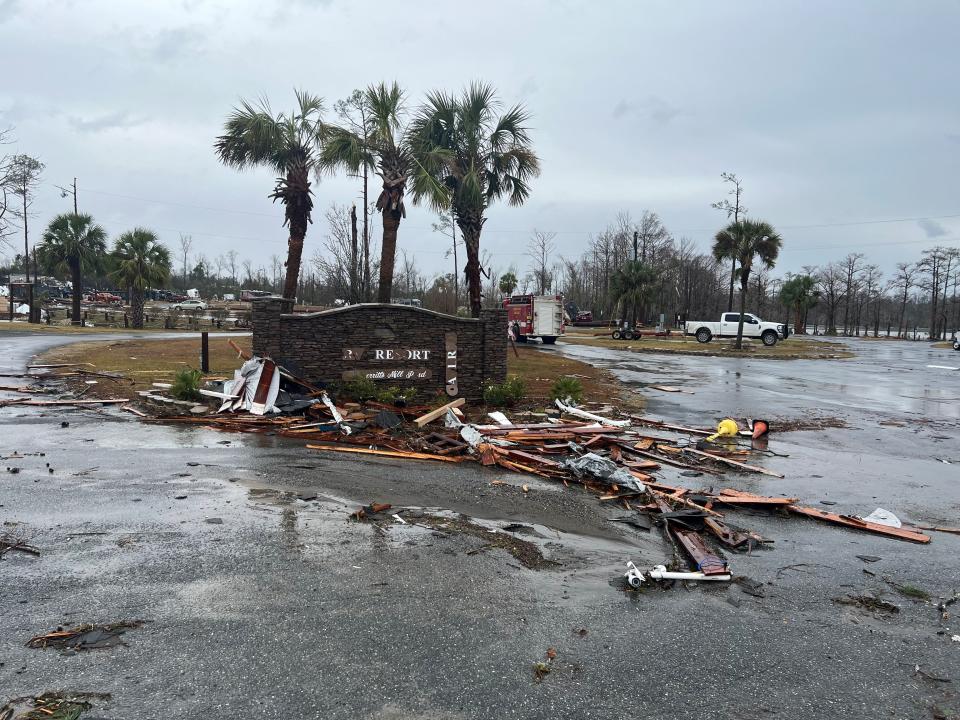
438 412
386 453
133 410
901 533
734 463
703 558
739 497
215 394
110 401
577 412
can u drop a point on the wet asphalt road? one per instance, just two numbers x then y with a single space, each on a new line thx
284 609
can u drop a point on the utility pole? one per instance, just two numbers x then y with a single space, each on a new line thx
26 247
70 190
634 245
354 294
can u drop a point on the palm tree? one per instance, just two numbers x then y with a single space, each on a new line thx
385 145
72 244
467 157
139 261
291 146
742 241
633 285
799 294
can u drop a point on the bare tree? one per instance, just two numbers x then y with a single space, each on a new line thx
733 209
275 264
830 281
232 265
902 282
539 250
851 265
218 264
7 209
651 237
446 226
333 263
23 177
248 271
355 113
932 265
186 242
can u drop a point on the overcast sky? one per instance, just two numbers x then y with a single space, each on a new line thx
836 115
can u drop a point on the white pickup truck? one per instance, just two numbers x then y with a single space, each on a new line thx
753 327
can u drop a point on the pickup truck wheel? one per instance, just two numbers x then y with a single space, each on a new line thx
549 340
704 335
769 338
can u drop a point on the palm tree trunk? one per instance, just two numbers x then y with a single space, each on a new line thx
744 278
77 280
136 306
388 253
294 255
733 275
471 240
798 328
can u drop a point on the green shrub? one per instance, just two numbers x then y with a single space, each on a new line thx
360 389
506 394
567 388
394 396
185 385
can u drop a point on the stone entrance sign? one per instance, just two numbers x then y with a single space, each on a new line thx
391 345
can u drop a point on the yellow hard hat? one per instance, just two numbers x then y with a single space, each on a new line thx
726 428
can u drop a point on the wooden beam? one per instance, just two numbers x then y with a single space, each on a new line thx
901 533
434 414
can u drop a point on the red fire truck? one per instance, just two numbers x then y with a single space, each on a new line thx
536 316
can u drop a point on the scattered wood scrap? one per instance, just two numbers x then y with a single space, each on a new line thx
438 412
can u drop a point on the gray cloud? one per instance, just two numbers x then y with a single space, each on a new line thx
650 108
633 111
99 123
932 228
173 43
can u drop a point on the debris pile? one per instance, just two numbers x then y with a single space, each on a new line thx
84 637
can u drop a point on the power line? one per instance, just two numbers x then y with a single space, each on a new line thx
811 226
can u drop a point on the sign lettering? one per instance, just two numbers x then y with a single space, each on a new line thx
393 374
386 353
450 345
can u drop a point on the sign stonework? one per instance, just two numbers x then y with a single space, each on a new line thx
391 345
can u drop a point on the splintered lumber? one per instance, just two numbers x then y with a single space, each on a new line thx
215 394
704 559
739 497
529 457
666 426
902 533
386 453
734 463
133 410
442 410
728 536
577 412
674 497
666 460
112 401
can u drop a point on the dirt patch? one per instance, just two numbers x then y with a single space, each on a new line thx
143 362
541 369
